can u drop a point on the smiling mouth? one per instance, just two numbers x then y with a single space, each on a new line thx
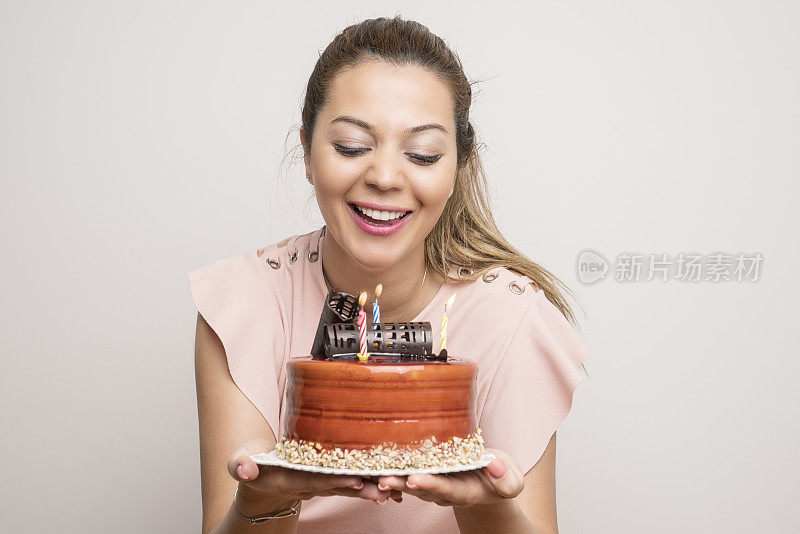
378 218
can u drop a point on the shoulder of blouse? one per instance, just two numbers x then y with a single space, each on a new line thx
258 277
487 313
281 256
498 293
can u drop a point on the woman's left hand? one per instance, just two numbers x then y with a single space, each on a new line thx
501 479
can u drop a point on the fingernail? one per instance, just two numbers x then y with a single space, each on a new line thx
384 488
358 485
411 484
496 468
241 472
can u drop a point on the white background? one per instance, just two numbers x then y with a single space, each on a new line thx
142 140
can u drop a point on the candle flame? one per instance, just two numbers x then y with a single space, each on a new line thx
449 303
362 298
378 290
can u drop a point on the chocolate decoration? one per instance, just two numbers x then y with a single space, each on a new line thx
384 338
337 336
339 307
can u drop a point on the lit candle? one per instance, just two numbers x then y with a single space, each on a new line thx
447 306
363 355
376 311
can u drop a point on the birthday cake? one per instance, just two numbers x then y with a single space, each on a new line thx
397 406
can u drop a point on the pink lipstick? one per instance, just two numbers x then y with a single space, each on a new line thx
374 227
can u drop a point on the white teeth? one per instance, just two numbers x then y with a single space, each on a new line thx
380 215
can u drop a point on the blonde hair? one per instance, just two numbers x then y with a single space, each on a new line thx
466 234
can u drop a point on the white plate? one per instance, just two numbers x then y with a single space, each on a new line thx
271 458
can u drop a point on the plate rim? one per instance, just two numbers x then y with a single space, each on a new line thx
271 458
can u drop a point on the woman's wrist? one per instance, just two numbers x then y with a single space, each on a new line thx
481 517
252 502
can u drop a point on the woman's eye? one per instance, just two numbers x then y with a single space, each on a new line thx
426 159
351 152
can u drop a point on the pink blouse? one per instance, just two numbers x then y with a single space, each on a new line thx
527 353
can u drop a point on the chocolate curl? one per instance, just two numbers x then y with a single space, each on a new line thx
406 341
339 307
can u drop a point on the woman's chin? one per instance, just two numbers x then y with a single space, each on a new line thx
376 263
375 258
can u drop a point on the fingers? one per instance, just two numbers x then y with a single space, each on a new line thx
395 485
496 468
290 481
457 489
369 491
240 466
389 482
302 484
502 479
505 476
283 481
453 490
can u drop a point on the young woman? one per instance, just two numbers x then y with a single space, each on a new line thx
392 157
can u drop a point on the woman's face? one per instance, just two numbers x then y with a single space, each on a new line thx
367 151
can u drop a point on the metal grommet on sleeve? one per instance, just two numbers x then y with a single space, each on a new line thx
464 272
314 254
293 256
272 256
489 277
516 288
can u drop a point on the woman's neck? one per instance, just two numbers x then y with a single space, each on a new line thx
404 294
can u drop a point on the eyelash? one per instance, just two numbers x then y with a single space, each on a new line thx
352 152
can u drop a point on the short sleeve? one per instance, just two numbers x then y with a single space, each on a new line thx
531 391
241 307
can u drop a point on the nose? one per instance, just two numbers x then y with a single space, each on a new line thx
386 172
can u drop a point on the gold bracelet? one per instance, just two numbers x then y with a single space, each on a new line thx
257 520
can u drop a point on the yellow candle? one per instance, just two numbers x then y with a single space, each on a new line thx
447 306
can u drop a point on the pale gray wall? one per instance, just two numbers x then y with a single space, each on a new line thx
141 140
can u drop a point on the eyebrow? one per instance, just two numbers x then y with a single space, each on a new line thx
368 126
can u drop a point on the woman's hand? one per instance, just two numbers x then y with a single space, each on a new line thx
271 488
501 479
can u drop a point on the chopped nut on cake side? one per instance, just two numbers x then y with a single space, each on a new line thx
425 455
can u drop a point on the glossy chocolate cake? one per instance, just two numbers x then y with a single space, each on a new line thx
405 407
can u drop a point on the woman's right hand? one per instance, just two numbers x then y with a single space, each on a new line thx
270 488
